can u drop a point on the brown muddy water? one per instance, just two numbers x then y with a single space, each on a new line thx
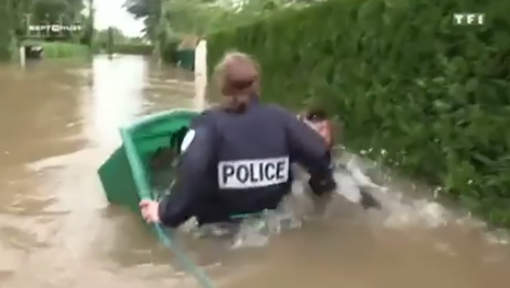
59 122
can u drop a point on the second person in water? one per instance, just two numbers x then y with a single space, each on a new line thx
236 158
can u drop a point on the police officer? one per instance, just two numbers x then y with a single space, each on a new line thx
236 158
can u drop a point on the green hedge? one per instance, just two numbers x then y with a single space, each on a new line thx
136 49
403 78
64 50
7 44
167 47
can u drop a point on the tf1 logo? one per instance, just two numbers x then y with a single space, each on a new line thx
471 19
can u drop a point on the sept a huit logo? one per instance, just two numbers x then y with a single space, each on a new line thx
469 19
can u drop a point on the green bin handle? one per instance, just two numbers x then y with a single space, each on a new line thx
144 192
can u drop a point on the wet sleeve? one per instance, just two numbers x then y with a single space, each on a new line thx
309 149
194 175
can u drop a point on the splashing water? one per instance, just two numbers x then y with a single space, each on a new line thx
397 210
255 231
252 231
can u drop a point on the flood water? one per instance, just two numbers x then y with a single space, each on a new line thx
59 123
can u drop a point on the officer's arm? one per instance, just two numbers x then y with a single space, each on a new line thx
310 150
193 177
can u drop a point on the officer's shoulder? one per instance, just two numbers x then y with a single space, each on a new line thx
205 118
274 108
200 127
278 110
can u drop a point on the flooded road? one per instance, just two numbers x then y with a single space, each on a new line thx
59 123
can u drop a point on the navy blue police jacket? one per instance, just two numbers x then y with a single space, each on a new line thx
237 163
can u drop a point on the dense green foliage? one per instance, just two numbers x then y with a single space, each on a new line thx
102 38
157 29
202 16
167 48
150 11
87 36
6 35
134 49
168 21
120 43
16 14
405 80
54 50
66 12
55 11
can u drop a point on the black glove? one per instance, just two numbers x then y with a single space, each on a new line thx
322 184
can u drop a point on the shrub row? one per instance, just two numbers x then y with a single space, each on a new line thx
404 78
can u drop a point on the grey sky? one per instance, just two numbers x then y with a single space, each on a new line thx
111 13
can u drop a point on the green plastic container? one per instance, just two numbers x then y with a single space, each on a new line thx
128 175
186 58
131 172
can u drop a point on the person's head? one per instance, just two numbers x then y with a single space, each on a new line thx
318 120
238 78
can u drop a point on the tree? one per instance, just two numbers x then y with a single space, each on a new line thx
5 30
55 11
204 16
167 21
150 10
49 11
19 10
88 33
101 37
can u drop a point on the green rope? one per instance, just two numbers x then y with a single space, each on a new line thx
184 260
144 192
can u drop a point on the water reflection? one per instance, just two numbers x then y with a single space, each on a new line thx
60 122
116 95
